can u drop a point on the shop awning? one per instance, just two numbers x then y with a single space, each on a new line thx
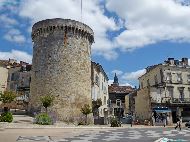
162 111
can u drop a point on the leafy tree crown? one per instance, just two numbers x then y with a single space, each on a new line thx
47 100
7 96
86 109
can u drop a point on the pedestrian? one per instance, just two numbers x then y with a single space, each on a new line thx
164 119
131 120
178 123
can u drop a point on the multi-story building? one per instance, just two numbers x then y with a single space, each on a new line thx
3 75
99 81
117 96
130 102
19 78
164 90
16 77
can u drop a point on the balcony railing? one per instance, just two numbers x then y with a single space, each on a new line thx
173 100
180 100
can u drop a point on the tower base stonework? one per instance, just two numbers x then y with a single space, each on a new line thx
61 66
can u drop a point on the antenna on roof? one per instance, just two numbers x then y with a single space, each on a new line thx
81 10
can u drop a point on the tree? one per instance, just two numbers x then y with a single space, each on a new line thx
95 105
86 109
7 97
47 101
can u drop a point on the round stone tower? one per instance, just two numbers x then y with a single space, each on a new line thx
61 66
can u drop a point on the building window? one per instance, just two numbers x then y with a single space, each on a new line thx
148 82
141 84
189 93
12 76
156 79
188 78
169 77
104 100
181 93
105 91
97 80
179 77
170 92
118 102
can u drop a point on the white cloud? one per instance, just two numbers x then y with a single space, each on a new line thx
110 82
149 22
124 83
93 15
16 54
7 21
144 22
127 84
133 75
118 72
2 3
14 35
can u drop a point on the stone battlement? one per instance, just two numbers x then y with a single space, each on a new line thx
67 26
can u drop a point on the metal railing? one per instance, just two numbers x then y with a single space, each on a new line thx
180 100
173 100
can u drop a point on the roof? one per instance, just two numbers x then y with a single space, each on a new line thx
120 89
99 68
6 63
14 64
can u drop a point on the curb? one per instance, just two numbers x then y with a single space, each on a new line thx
75 127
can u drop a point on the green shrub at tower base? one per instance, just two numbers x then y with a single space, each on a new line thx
6 117
43 119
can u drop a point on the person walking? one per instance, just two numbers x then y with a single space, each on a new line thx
131 117
164 119
178 123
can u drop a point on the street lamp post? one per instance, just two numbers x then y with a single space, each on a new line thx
118 103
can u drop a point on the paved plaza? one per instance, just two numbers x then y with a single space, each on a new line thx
93 135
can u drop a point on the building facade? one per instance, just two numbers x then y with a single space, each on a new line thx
164 90
100 88
117 96
19 78
3 76
16 77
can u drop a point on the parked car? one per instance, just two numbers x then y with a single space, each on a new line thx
187 124
126 119
186 119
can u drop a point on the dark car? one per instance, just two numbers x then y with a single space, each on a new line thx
127 119
187 124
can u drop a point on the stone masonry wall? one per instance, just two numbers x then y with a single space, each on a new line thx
61 66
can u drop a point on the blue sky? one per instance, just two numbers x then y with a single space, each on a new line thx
129 35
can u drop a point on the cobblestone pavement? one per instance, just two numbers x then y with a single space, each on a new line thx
120 135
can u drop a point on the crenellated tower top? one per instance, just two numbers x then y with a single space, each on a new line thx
68 26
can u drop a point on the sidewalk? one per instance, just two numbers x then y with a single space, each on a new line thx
24 122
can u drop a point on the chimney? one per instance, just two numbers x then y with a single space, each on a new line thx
171 61
185 61
177 62
12 61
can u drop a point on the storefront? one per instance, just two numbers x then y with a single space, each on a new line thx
161 116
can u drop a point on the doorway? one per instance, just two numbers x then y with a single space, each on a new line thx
174 116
